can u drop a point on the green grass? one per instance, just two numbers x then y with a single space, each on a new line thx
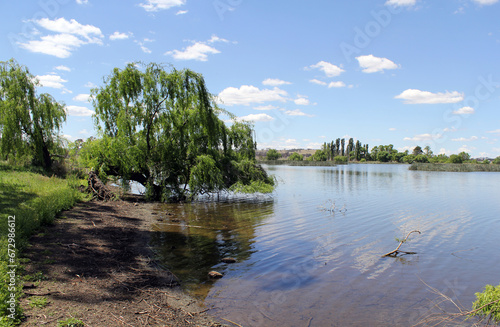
34 200
38 302
464 167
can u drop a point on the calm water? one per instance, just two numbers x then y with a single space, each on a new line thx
299 264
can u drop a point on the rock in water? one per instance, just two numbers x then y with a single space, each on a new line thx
228 260
214 274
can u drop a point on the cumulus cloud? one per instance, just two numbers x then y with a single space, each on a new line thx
329 69
199 50
496 131
79 111
400 3
336 84
372 64
275 82
463 139
119 36
464 111
181 12
62 67
423 137
52 80
412 96
71 35
301 101
466 148
82 97
256 118
297 112
316 81
157 5
248 94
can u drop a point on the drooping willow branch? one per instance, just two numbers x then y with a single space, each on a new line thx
397 250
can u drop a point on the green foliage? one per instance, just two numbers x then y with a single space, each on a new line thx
409 158
296 157
421 158
341 160
496 161
455 159
465 156
161 128
29 123
417 150
38 302
272 154
70 322
487 303
319 155
383 156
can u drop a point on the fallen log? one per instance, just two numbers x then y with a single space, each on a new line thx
98 189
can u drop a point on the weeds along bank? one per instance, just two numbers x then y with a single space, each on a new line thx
27 201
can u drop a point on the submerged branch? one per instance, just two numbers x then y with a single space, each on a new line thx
396 251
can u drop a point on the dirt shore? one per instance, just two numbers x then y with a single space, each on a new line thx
94 264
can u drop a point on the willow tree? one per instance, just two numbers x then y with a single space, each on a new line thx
29 123
162 129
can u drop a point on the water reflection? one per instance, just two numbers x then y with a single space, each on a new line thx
193 238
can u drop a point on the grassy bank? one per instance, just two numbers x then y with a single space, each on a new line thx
27 201
298 163
465 167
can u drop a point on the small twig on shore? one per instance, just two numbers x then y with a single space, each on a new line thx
396 251
41 294
309 322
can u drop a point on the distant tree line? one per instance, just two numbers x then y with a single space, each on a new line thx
341 153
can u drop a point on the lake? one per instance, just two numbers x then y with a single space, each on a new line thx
311 254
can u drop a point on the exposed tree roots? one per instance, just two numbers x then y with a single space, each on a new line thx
98 189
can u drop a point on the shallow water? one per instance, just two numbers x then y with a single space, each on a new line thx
311 254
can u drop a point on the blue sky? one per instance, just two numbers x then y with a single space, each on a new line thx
401 72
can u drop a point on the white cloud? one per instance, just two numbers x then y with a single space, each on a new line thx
83 131
268 107
82 97
372 64
119 36
485 2
329 69
496 131
275 82
336 84
61 67
157 5
464 111
79 111
297 112
316 81
53 81
82 2
463 139
248 94
301 101
197 51
444 151
423 137
412 96
256 118
392 129
91 33
181 12
400 3
90 84
466 148
72 35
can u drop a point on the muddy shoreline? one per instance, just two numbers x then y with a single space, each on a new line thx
94 264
